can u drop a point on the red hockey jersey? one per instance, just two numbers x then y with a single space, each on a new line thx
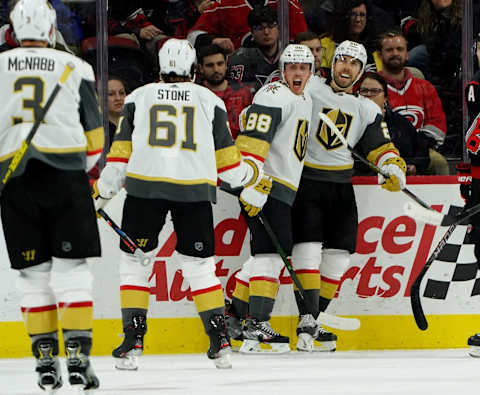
418 100
228 18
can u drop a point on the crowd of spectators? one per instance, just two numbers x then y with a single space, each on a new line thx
413 47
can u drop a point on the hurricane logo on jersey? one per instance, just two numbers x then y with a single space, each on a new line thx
325 136
301 138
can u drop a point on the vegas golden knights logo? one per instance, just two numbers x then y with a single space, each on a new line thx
29 255
301 139
142 242
325 135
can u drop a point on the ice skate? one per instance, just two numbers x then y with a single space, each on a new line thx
126 355
312 337
220 349
474 343
257 333
80 372
48 368
234 327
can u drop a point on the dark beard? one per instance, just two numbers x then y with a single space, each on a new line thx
394 68
215 82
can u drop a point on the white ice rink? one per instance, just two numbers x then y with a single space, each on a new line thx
433 372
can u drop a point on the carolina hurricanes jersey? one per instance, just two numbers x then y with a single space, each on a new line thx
360 122
274 131
472 96
228 18
71 135
172 140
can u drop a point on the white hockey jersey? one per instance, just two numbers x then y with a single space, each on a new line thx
71 136
275 131
357 118
172 141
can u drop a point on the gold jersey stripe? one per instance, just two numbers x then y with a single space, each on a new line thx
267 289
324 167
7 156
227 157
308 281
375 154
328 289
59 150
120 149
172 180
77 318
134 299
287 184
95 139
252 146
41 322
209 300
241 292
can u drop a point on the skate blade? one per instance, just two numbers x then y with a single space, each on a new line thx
224 360
317 347
474 351
129 362
255 347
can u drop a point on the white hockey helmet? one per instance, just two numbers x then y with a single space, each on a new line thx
177 57
353 49
34 20
296 53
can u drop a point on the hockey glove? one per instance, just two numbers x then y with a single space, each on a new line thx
464 178
107 186
255 196
395 167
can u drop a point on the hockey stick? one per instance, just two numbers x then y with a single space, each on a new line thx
17 158
375 168
415 300
347 324
144 259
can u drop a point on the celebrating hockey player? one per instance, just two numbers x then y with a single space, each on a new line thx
324 213
172 141
274 137
48 216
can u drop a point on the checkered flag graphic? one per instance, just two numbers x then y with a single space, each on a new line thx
456 265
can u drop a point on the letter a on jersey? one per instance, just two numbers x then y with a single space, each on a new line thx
325 136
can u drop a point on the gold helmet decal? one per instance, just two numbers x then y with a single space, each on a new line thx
325 135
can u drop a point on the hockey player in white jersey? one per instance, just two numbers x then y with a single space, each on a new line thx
274 135
324 213
48 216
172 142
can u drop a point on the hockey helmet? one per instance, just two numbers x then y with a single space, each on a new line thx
177 57
353 49
34 20
296 53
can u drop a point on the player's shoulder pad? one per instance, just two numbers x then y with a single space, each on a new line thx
274 94
207 96
83 69
368 108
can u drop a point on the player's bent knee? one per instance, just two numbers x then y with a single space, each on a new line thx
131 270
307 256
33 284
196 267
334 263
72 280
246 270
268 265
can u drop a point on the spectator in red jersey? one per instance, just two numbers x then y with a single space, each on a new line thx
212 65
414 98
225 23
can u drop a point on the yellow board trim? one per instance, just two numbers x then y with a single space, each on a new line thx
252 145
209 300
375 333
322 167
172 180
228 156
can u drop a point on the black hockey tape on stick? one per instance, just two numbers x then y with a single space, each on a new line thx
375 168
144 259
17 158
346 324
415 300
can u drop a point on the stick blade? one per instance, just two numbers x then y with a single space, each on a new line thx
334 321
422 214
417 309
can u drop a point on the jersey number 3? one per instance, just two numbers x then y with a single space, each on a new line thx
33 104
170 127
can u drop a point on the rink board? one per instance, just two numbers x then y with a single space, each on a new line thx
391 249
